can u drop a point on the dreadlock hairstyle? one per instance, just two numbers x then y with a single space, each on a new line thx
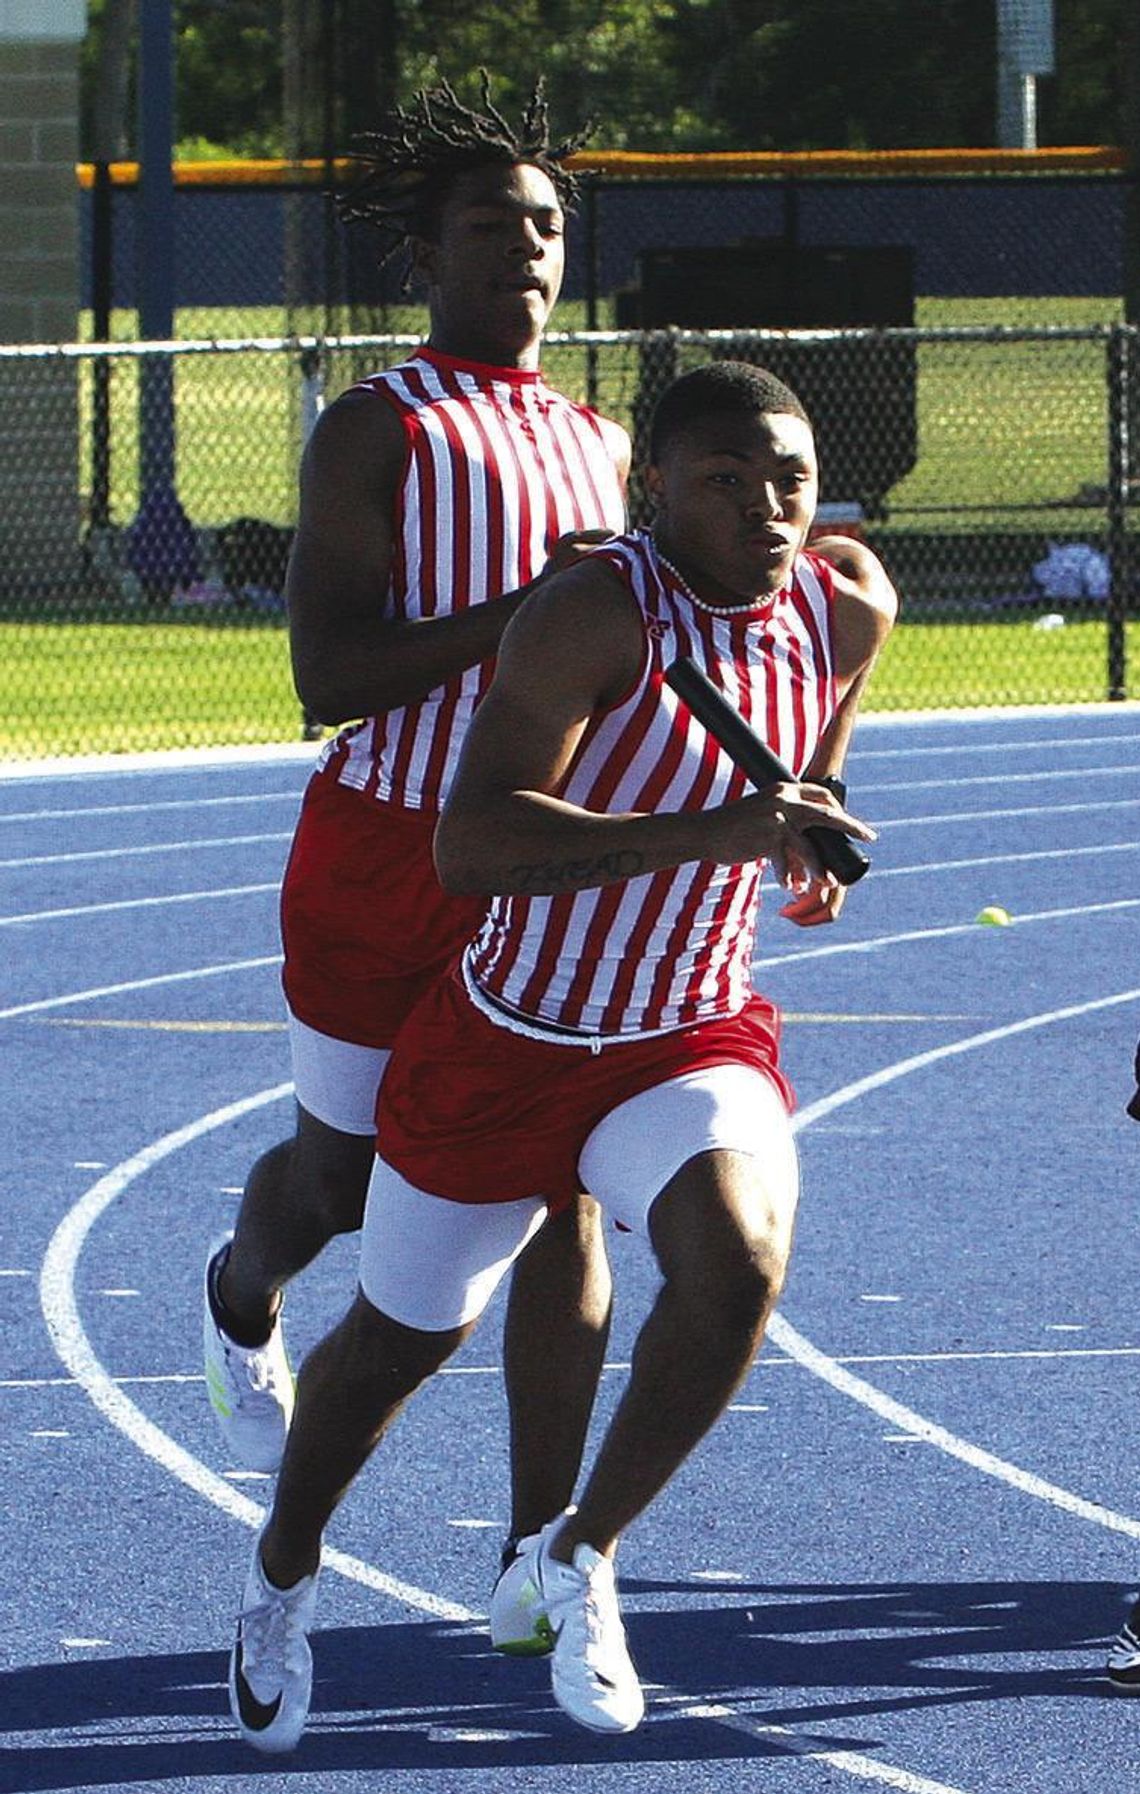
411 162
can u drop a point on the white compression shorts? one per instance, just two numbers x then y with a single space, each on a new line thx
336 1080
434 1264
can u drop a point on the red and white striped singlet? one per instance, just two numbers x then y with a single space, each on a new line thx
498 466
669 948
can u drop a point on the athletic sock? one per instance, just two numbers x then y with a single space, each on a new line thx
246 1337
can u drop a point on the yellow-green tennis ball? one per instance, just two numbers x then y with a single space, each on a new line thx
994 916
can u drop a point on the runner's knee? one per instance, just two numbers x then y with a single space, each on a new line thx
375 1347
566 1264
330 1172
722 1241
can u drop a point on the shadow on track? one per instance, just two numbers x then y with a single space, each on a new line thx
431 1696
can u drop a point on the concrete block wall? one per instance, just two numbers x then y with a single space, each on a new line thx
39 211
39 295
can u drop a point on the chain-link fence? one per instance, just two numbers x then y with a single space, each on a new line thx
148 499
823 238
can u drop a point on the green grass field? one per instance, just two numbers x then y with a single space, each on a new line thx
126 687
1011 437
1002 428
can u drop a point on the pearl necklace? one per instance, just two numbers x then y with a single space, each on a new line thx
713 610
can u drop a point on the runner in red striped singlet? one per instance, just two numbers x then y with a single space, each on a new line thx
674 947
497 468
435 497
601 1031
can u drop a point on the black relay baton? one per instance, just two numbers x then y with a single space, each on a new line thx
841 856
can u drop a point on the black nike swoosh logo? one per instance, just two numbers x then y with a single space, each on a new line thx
256 1715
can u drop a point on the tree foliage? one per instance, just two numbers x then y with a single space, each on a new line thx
654 74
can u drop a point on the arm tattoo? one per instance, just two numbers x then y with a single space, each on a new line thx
550 877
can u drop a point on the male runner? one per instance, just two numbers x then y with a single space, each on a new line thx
601 1029
434 498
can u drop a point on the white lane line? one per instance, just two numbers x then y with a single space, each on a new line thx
852 1762
82 768
954 1358
957 749
103 909
114 990
1042 775
133 1025
916 1426
1008 859
149 809
57 1299
770 1361
906 1419
72 1346
893 822
947 929
138 852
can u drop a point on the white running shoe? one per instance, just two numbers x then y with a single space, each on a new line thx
250 1387
518 1621
1123 1667
592 1676
271 1665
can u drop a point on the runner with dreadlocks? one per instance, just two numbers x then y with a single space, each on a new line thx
435 496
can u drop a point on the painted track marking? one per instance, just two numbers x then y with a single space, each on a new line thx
80 812
57 1296
72 1346
131 984
129 852
1039 776
122 903
1008 859
942 932
57 1299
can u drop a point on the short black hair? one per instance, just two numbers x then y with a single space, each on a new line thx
734 386
412 160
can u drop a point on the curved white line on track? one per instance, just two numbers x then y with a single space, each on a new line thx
69 1337
804 1352
57 1299
72 1346
121 903
115 990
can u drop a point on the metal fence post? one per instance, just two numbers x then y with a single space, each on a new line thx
593 270
312 404
102 300
1119 559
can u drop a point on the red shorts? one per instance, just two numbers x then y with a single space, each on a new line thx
471 1111
365 924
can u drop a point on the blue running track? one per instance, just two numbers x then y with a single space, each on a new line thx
897 1561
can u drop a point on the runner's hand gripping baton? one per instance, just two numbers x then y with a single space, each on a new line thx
841 856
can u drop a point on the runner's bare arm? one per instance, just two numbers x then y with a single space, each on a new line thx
570 653
866 606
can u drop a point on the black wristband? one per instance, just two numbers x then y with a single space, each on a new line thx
833 783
